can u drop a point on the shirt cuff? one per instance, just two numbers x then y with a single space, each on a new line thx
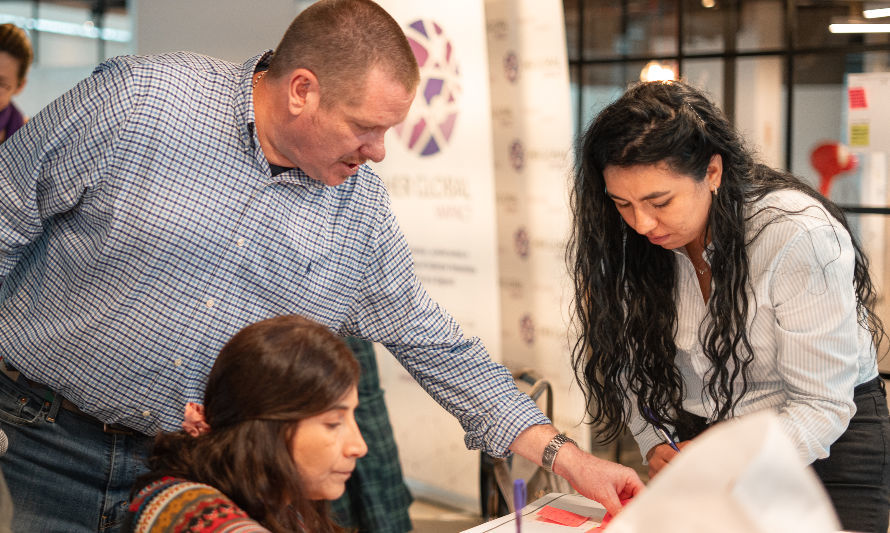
646 440
500 426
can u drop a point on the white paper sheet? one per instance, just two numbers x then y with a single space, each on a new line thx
742 476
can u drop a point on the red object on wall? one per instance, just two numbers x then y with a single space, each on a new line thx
831 159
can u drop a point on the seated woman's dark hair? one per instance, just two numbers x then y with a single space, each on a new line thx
266 379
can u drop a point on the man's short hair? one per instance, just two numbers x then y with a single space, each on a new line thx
340 41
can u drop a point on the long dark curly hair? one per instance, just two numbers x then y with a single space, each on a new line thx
267 378
624 286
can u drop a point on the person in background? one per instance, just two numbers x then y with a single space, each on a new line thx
258 462
164 203
709 286
376 498
16 56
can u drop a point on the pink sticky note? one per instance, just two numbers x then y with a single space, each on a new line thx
857 98
606 519
561 516
602 527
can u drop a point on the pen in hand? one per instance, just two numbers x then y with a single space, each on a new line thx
660 429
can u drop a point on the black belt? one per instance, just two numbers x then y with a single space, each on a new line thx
873 385
111 429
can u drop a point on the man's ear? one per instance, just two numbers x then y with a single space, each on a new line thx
302 91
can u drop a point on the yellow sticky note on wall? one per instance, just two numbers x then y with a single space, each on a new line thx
859 134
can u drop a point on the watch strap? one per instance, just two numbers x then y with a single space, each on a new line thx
552 448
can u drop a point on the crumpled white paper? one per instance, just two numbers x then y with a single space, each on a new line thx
741 476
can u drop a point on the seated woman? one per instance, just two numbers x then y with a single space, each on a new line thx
709 286
274 439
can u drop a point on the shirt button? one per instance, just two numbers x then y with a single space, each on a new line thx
210 303
240 242
146 413
178 362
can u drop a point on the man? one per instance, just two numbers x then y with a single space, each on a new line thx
164 203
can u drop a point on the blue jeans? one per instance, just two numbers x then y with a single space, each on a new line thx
65 472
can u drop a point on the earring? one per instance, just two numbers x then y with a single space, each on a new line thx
714 191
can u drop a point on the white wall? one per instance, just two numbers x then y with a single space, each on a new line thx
60 60
228 29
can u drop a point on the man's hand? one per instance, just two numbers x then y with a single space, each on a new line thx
603 481
659 456
600 480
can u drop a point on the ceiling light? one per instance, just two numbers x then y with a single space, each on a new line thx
86 29
655 71
858 27
876 13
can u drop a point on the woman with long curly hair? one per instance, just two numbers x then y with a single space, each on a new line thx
275 438
708 286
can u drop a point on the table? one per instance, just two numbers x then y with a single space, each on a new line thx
570 502
574 503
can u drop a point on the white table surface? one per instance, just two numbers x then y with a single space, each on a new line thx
569 502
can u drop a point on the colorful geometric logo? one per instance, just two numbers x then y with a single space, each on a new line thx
430 122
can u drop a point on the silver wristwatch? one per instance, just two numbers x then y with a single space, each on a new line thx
552 447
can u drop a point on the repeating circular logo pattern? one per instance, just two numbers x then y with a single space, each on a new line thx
517 155
430 122
527 329
521 242
511 66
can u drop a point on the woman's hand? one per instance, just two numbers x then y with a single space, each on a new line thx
659 456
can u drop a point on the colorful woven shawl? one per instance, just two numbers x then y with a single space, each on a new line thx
179 506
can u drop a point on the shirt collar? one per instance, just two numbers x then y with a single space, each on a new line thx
294 176
681 251
245 102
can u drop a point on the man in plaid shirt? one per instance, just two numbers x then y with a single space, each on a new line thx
167 201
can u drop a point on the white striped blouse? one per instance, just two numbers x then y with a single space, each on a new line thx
810 352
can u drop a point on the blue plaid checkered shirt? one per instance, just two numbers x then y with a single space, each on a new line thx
140 228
